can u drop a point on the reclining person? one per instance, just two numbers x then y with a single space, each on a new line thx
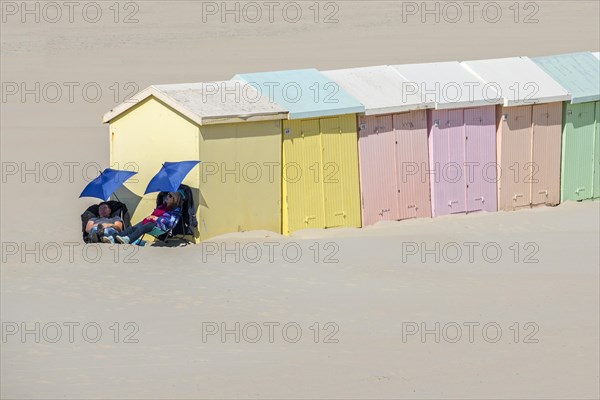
104 224
163 217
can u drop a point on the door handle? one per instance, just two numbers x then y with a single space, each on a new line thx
544 192
308 219
343 214
452 202
579 190
516 196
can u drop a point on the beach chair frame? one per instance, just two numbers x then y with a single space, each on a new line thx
164 236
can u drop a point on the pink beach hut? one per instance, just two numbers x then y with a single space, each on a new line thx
529 122
462 136
392 143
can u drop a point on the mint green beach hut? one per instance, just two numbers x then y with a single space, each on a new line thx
579 74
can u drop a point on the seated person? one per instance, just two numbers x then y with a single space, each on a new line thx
104 224
163 217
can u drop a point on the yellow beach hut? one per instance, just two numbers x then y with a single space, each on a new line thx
230 128
320 177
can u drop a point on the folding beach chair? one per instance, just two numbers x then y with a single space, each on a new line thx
118 209
185 222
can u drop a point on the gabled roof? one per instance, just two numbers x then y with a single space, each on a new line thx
208 103
381 89
305 93
578 73
449 84
518 80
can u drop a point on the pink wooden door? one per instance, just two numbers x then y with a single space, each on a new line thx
514 156
546 153
377 169
480 158
412 164
447 156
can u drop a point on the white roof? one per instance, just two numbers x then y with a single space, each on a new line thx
518 80
449 84
597 54
208 103
381 89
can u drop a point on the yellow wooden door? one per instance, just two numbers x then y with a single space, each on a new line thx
333 184
340 171
302 181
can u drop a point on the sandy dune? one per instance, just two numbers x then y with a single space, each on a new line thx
374 286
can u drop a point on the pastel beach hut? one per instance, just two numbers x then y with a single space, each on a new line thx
529 130
232 130
462 136
320 176
392 143
579 74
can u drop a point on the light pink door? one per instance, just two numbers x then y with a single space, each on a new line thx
377 169
412 163
546 153
447 155
514 139
480 161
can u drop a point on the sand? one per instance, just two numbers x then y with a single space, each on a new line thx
367 289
